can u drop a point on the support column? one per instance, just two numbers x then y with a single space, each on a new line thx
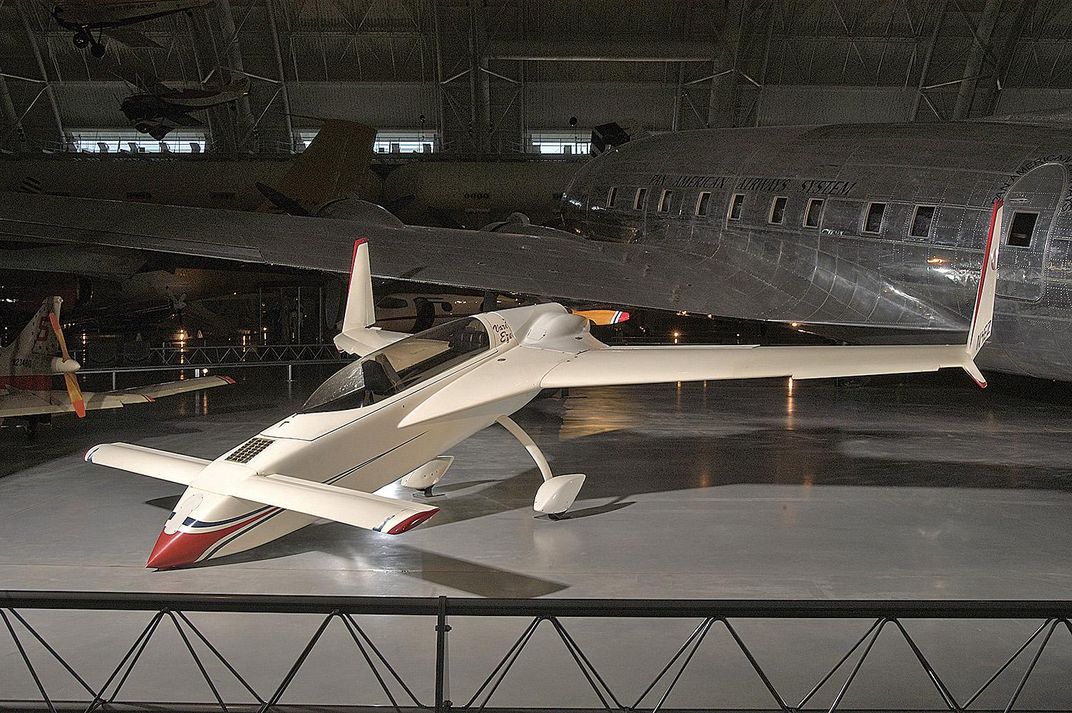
440 90
31 37
991 90
479 90
722 104
233 55
928 53
270 4
201 32
977 55
15 136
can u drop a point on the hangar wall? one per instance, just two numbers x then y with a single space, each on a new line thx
484 74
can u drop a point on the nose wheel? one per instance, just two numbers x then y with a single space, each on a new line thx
557 493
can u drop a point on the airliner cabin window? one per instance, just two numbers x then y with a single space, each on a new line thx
921 221
736 206
1023 229
702 202
641 196
611 195
777 210
665 199
873 217
814 213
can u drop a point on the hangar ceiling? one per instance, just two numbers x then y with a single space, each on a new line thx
482 75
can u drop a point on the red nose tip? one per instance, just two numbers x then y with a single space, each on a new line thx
183 548
176 550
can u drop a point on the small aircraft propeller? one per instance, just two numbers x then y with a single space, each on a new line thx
73 390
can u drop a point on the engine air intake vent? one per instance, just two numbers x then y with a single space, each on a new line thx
250 449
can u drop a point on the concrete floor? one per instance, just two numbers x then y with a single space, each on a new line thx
916 488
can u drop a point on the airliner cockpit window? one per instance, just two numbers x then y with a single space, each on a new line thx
400 366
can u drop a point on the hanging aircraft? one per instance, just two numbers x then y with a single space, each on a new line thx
28 364
113 18
161 107
408 399
841 228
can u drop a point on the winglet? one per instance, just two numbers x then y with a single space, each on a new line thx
360 309
983 315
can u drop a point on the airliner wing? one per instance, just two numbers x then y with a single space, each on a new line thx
675 275
540 265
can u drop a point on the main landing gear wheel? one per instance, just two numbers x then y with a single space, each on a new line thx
557 493
97 50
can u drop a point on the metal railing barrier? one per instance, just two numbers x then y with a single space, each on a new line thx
26 616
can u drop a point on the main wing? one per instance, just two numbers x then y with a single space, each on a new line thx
40 403
650 365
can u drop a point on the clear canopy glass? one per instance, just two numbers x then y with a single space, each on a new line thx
400 366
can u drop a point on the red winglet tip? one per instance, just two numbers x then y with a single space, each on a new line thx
229 379
412 521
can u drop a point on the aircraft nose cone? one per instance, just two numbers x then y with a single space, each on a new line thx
176 550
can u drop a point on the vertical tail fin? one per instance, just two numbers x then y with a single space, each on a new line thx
26 362
358 336
335 165
983 315
360 309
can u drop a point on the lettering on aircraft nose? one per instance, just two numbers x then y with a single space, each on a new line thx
504 333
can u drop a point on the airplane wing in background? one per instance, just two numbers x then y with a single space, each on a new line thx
36 403
684 276
539 265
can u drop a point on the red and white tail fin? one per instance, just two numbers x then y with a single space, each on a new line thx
983 315
26 362
360 309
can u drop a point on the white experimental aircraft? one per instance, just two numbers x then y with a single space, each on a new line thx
393 413
28 364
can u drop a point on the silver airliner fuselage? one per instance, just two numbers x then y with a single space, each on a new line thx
869 225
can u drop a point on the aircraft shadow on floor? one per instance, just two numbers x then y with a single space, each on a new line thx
343 541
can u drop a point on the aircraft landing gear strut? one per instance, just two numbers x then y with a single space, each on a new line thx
557 493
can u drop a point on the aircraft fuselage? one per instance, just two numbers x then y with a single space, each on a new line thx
852 225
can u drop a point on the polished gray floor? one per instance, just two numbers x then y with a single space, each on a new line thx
914 488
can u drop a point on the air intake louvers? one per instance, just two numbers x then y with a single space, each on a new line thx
248 450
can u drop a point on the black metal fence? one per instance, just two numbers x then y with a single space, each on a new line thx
24 612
